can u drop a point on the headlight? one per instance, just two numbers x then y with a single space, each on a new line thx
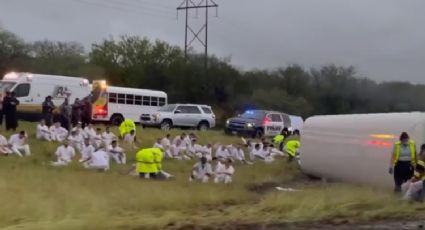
250 125
227 121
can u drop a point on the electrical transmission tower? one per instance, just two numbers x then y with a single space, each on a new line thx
187 6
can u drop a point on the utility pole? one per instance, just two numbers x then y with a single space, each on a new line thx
188 5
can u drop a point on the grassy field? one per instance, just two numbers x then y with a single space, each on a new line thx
37 196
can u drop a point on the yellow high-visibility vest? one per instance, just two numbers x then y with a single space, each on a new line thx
292 147
397 152
278 139
158 156
126 126
145 161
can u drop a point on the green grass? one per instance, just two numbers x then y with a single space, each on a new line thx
37 196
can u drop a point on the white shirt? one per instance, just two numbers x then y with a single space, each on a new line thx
187 141
176 139
156 145
108 137
89 132
15 140
87 151
42 130
128 138
115 150
202 169
256 153
222 153
238 154
58 131
222 170
196 148
3 141
165 142
65 153
99 159
77 139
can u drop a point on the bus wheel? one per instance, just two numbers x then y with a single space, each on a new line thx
166 125
117 119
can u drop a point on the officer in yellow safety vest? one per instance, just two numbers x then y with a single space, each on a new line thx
146 166
278 140
291 148
126 126
403 160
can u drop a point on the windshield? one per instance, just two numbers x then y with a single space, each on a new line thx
253 114
6 86
167 108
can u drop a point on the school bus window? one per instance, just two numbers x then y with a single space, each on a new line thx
161 101
138 100
146 100
113 97
129 99
154 101
121 98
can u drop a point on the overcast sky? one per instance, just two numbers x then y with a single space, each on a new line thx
383 39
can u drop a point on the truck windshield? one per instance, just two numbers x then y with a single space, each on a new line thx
167 108
6 86
252 114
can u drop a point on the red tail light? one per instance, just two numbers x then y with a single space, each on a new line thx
379 143
266 121
101 112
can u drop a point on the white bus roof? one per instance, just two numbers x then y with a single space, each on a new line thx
14 76
142 92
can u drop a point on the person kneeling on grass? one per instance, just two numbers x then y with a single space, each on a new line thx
18 143
64 154
224 172
117 153
201 171
413 189
98 160
4 146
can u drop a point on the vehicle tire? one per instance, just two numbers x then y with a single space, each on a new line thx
258 133
166 125
117 119
203 126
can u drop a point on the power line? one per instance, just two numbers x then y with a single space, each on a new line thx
143 6
188 5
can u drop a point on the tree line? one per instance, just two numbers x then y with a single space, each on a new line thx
139 62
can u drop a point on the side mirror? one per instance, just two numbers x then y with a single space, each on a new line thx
177 111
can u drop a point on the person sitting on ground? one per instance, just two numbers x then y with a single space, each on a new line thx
256 153
224 172
165 142
130 139
97 139
222 152
58 133
78 127
413 189
43 132
64 154
98 160
201 171
87 150
89 131
116 153
4 146
179 138
195 149
238 154
76 140
207 151
18 143
108 136
157 144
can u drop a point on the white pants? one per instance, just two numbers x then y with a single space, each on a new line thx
118 158
59 163
200 177
411 189
18 149
221 178
58 137
5 150
44 137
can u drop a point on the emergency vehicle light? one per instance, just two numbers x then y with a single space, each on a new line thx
266 121
379 143
383 136
11 75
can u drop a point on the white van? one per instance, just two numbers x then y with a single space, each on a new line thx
32 89
114 104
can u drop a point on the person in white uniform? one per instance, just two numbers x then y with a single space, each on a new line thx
4 146
64 154
58 133
89 132
18 143
108 136
87 150
222 152
116 153
98 160
224 172
43 132
157 144
165 142
76 140
130 139
97 139
201 171
179 138
195 149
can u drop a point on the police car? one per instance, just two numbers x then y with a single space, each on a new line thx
262 123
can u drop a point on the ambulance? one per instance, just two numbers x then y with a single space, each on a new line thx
32 89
